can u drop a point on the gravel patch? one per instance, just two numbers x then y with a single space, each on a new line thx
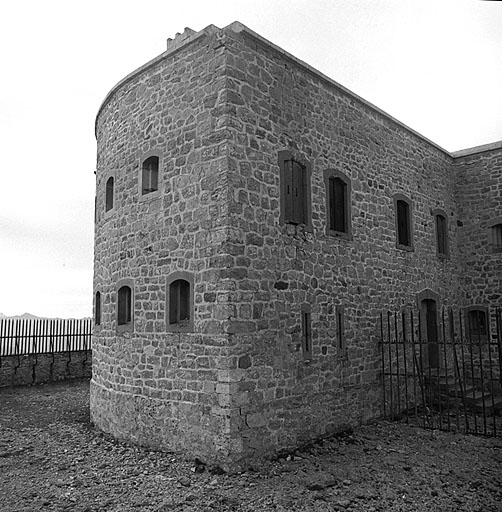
52 459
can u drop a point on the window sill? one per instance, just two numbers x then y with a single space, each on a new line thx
339 234
180 327
129 327
407 248
149 195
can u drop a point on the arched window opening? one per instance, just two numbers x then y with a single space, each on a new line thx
109 194
124 312
150 175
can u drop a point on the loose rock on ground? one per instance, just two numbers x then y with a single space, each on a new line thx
52 459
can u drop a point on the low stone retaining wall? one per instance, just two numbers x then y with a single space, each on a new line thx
39 368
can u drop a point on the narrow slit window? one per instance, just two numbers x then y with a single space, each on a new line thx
340 330
403 223
109 194
124 313
150 175
306 335
97 309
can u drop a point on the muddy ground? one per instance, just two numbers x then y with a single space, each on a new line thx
52 459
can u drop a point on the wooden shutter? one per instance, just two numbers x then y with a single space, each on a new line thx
298 199
173 302
184 299
288 191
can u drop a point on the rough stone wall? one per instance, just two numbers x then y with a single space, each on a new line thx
217 108
479 178
40 368
159 388
280 399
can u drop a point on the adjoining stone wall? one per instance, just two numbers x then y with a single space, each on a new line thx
41 368
479 189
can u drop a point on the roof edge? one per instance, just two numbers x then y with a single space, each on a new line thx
189 36
492 146
238 27
173 46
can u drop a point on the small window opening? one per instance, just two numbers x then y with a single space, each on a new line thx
150 175
338 205
441 235
497 236
179 302
306 335
124 314
403 223
97 309
478 325
109 194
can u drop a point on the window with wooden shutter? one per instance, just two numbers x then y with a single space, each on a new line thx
295 190
441 221
299 196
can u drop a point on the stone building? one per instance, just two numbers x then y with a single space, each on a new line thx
253 217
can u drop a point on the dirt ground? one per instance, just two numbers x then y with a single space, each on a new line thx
52 459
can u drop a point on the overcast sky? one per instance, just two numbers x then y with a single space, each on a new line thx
434 65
